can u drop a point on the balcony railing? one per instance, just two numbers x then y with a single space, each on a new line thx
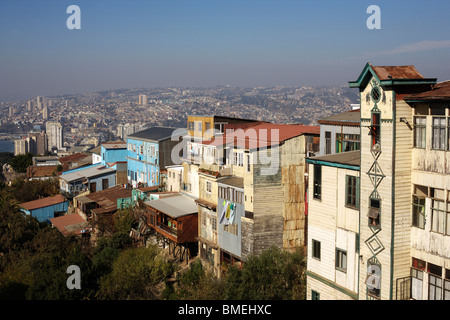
167 229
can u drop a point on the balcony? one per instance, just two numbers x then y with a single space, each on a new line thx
215 170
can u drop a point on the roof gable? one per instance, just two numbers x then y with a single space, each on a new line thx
390 75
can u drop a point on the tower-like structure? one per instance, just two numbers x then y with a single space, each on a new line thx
385 171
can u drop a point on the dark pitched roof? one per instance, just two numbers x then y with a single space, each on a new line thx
352 158
439 92
352 117
155 133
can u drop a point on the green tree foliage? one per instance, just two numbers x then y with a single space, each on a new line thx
273 275
24 190
21 162
137 273
198 284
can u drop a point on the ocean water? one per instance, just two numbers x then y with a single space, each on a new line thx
6 146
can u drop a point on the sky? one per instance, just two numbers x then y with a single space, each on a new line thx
181 43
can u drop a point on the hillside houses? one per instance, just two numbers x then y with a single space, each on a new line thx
365 195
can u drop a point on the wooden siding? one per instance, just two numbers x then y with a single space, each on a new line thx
402 207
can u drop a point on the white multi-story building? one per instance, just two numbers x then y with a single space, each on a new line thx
54 131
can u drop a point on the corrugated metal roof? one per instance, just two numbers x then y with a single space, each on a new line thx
70 224
157 133
233 181
42 203
350 158
349 117
176 206
86 173
440 91
260 136
397 72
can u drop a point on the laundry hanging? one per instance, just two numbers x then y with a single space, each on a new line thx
224 210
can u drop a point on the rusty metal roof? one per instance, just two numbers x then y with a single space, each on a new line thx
396 72
439 92
43 202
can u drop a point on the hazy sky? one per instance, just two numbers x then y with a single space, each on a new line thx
146 43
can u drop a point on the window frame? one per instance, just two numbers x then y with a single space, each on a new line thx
354 186
341 260
316 249
422 129
317 182
442 133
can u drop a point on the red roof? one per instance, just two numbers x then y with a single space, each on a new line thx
42 171
396 72
44 202
264 135
70 224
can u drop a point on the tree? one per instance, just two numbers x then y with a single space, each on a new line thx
273 275
198 284
21 162
137 273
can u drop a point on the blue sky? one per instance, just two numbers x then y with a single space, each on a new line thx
147 43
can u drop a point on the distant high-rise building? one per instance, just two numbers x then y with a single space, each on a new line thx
20 147
143 99
54 132
40 103
30 106
45 113
12 111
69 103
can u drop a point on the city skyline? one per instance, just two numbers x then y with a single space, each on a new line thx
202 44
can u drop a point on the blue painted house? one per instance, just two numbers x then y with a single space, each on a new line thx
46 208
95 177
113 152
149 152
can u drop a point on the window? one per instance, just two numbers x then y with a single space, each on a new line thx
416 284
199 126
418 209
214 223
448 134
248 163
374 212
317 190
238 159
347 142
341 260
208 186
315 295
327 142
316 249
105 184
375 130
438 215
231 228
190 126
434 287
438 129
352 191
420 132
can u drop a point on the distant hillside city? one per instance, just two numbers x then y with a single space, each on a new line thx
88 119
